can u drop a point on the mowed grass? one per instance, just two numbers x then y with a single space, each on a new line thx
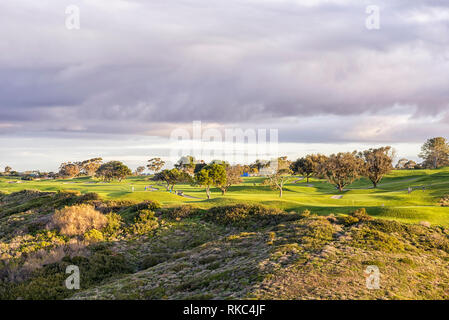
390 200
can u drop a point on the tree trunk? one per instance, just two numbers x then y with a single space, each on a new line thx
223 191
307 179
208 192
280 193
340 188
375 184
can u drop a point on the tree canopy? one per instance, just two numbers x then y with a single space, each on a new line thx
113 170
211 175
378 163
435 153
342 169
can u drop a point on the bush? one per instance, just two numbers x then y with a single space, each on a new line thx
361 214
49 282
348 220
148 205
444 202
144 223
181 212
76 220
90 196
153 259
248 216
306 213
113 227
93 236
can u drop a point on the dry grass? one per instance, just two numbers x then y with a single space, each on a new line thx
76 220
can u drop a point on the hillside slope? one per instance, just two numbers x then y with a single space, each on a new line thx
309 258
232 252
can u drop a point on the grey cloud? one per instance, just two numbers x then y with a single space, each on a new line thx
137 64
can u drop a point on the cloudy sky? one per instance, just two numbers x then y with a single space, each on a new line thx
137 70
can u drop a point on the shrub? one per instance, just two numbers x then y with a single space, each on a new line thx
76 220
153 259
113 226
49 282
361 214
248 216
90 196
444 202
306 213
148 205
144 223
348 220
181 212
93 235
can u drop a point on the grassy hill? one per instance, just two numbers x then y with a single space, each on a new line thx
247 244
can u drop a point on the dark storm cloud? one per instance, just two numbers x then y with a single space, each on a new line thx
137 64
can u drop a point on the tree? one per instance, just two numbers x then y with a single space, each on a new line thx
199 166
233 177
187 164
171 178
401 163
342 169
407 164
258 165
155 164
69 170
282 175
435 153
308 166
248 169
378 162
8 170
113 170
140 170
90 167
211 175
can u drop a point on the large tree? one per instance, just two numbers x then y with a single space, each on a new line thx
308 166
68 170
90 167
233 177
155 164
435 153
377 163
140 170
342 169
113 170
171 178
8 170
211 175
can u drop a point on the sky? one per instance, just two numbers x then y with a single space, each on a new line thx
136 71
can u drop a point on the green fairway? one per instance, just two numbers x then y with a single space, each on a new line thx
390 200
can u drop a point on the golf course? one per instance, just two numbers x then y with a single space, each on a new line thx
410 196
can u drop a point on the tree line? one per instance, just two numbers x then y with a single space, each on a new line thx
340 169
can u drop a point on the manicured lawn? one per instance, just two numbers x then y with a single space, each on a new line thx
390 200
